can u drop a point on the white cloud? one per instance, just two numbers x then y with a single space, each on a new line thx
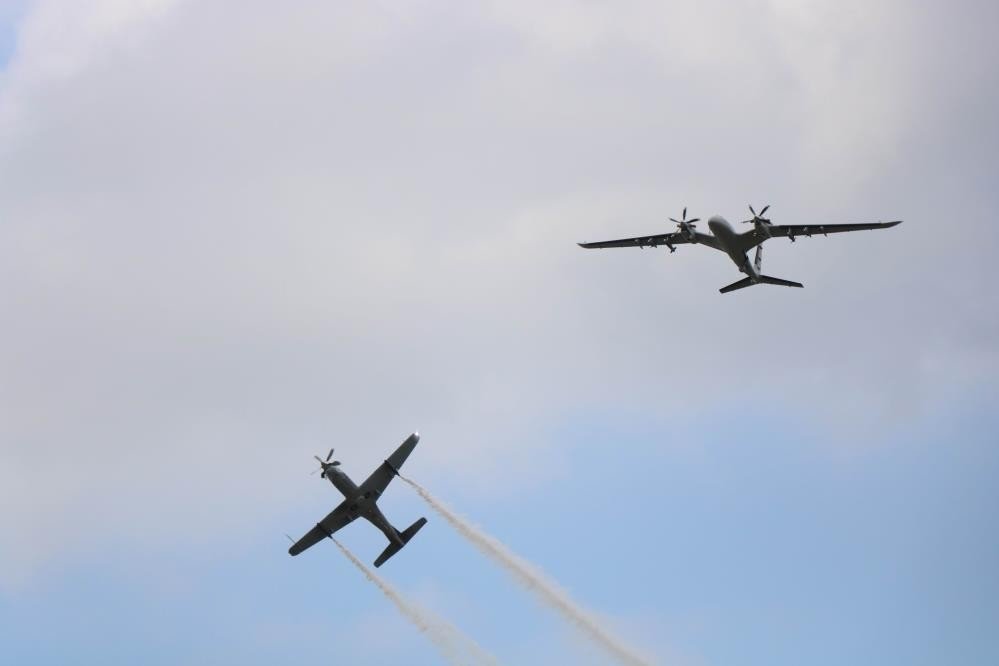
243 236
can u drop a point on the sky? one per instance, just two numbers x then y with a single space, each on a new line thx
232 237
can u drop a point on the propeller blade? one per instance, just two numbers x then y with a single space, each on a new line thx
673 220
684 212
696 219
764 211
329 455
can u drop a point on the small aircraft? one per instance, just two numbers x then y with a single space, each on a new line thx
736 245
361 501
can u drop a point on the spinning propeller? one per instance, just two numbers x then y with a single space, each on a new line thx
685 226
758 217
323 464
683 222
761 223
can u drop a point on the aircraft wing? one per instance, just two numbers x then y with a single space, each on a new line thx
674 238
380 478
336 519
792 231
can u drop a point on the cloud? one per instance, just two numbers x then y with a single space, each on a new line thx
231 239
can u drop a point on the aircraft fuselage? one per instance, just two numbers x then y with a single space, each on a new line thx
729 243
363 505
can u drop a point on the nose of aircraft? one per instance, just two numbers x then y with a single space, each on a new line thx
717 221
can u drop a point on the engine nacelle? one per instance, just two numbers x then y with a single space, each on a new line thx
762 227
688 231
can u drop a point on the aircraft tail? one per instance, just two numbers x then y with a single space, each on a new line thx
405 536
760 279
764 279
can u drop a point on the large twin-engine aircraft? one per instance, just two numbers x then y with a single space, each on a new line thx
735 244
361 502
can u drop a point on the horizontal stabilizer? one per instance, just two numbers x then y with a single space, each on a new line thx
763 279
744 282
784 283
404 536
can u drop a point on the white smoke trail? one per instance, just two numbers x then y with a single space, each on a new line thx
455 647
533 580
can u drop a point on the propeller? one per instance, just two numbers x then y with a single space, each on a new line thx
758 217
685 226
323 464
683 221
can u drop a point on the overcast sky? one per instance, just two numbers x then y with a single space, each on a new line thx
233 235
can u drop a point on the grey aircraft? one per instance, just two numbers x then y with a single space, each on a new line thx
735 244
361 502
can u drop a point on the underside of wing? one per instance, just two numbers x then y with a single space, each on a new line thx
326 527
380 478
793 231
640 241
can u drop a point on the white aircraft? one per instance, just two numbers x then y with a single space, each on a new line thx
736 245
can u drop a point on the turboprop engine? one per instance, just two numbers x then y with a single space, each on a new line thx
761 223
686 227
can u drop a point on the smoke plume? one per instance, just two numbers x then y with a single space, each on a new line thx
455 647
532 579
